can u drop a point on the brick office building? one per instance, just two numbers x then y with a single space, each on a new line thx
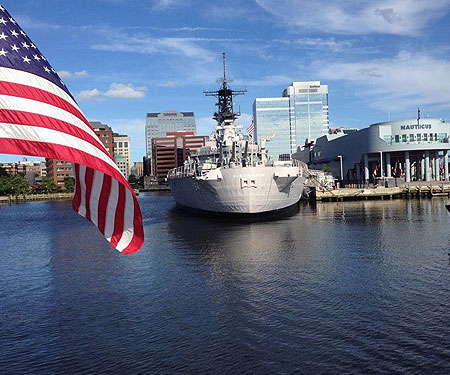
171 151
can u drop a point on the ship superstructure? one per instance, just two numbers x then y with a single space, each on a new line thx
232 174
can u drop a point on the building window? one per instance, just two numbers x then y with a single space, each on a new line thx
425 137
397 138
411 137
419 137
403 137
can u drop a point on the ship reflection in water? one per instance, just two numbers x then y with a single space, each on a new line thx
339 287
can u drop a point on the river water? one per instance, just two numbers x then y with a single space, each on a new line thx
350 287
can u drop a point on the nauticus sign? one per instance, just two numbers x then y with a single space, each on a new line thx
415 127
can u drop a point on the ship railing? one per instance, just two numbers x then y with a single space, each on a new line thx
183 171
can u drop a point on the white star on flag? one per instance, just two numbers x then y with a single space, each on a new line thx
39 117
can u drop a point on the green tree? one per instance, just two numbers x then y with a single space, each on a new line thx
5 185
141 182
20 185
324 168
3 172
69 183
47 185
133 181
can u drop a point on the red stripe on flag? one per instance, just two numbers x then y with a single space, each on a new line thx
33 93
119 217
33 119
138 238
88 178
77 196
60 152
103 203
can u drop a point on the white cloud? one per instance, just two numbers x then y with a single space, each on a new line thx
119 90
168 84
188 47
319 43
266 81
403 82
26 22
93 95
64 74
116 90
81 73
401 17
166 4
67 74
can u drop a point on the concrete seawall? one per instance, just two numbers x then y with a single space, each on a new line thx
10 199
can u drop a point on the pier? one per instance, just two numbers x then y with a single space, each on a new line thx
10 199
409 190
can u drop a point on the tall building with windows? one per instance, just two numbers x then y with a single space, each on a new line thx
58 170
105 133
122 153
172 150
159 124
298 117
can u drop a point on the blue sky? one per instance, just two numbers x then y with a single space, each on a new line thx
124 58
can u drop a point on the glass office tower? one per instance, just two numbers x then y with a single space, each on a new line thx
158 124
298 117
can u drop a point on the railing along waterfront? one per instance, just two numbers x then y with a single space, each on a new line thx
9 199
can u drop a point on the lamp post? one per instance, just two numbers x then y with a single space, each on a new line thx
381 163
342 170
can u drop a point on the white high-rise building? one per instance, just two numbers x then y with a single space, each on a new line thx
160 123
298 117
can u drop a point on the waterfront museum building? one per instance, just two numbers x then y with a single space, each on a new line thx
416 150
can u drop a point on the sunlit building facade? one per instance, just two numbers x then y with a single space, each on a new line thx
413 149
122 153
298 117
160 123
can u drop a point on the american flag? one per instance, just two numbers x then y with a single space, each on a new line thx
251 129
39 116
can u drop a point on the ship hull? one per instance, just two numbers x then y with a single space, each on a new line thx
241 190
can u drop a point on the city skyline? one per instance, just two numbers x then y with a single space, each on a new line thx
123 59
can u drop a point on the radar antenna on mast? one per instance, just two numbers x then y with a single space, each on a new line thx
225 98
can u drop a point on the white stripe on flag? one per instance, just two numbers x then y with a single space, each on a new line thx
97 184
82 181
28 79
111 209
44 109
128 233
38 134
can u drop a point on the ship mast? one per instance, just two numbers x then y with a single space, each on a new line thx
225 98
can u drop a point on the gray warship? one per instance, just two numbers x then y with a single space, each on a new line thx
234 175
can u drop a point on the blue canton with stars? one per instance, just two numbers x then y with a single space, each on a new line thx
17 51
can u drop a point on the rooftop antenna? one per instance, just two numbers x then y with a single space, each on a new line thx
224 67
418 115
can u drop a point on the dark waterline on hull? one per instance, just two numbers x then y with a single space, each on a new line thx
340 287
